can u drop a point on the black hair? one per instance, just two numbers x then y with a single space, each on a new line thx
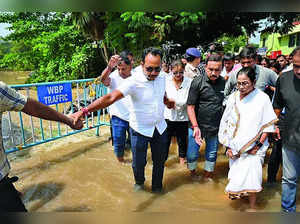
177 63
190 58
124 59
279 56
248 52
126 53
267 61
151 50
276 65
259 58
214 57
249 71
295 51
237 57
228 57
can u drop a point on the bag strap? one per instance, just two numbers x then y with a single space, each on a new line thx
247 145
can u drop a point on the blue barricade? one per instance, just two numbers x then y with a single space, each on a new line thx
22 131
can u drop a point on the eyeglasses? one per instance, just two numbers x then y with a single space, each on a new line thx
176 73
151 69
244 84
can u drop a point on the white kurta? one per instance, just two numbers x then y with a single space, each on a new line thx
245 174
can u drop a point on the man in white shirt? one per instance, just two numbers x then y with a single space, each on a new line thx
146 88
119 111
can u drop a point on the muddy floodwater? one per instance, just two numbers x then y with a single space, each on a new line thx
14 77
80 173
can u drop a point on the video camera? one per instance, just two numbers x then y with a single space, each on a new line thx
171 52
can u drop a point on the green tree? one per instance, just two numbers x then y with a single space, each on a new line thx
49 44
61 46
232 44
137 30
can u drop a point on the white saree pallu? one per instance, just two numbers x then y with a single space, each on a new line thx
254 115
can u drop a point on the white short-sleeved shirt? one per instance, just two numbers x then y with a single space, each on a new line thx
179 113
120 108
10 100
147 98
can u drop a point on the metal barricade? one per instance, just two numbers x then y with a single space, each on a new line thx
23 131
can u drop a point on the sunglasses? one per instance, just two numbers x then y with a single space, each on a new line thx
177 73
151 69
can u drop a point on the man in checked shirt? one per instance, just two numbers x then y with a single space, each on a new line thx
11 100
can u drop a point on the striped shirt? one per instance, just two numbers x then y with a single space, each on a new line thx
10 100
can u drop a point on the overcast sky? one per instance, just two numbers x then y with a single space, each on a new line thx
3 30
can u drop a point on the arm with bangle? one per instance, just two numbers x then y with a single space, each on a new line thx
98 104
259 143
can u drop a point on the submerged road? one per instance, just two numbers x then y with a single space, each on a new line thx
81 173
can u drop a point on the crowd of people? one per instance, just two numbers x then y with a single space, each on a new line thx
223 100
242 102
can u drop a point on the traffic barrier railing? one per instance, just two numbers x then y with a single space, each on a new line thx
21 130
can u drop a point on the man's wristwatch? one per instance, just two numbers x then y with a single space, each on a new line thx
258 144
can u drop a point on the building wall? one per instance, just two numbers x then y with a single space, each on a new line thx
284 45
276 42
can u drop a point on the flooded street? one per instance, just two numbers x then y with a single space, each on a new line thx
14 77
80 173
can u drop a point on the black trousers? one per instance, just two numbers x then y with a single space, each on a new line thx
274 161
179 129
10 200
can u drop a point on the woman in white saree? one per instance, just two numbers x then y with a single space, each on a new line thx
246 122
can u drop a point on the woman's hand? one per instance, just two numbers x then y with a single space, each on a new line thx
229 153
253 151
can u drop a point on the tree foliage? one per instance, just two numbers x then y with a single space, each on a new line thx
60 46
137 30
49 44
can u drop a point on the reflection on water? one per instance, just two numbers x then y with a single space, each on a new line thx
80 173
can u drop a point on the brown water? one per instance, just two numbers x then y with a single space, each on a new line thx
14 77
80 173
